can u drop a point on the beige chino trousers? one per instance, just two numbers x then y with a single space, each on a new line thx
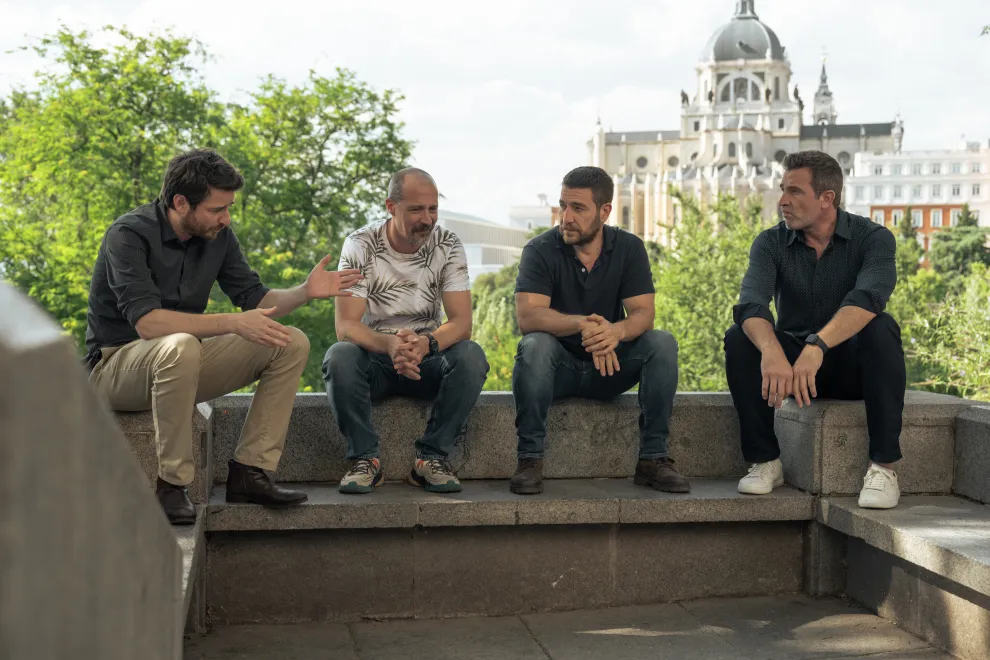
171 374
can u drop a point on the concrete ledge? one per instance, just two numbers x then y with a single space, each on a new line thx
192 543
487 503
825 447
139 429
585 439
948 536
972 477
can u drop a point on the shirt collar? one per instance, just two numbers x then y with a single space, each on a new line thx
841 229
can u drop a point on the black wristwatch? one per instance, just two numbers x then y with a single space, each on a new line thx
434 345
817 341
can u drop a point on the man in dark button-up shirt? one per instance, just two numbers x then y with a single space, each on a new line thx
584 302
151 347
830 274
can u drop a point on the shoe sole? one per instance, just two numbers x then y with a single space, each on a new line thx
246 499
776 484
526 490
449 487
649 483
878 506
182 521
354 489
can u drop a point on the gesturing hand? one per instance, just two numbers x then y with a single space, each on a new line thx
256 326
778 377
323 283
805 369
407 350
599 336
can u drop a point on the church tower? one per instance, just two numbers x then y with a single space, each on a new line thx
824 104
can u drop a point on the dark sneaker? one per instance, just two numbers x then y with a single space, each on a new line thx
659 474
528 479
364 476
175 503
435 475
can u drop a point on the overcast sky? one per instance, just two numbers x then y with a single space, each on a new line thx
501 97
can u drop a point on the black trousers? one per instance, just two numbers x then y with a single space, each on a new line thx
869 366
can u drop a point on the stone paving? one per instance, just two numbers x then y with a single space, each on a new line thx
765 628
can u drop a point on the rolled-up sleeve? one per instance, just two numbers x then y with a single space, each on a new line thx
129 275
878 275
237 279
759 283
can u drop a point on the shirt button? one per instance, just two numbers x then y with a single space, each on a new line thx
583 270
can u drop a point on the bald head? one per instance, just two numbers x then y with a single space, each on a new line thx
396 183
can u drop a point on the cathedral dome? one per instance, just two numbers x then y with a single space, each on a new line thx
745 37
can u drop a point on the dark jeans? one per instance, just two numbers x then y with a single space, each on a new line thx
545 371
869 366
452 379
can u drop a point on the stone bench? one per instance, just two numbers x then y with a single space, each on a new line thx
139 429
973 454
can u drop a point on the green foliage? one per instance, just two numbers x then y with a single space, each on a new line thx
91 139
495 326
954 250
698 282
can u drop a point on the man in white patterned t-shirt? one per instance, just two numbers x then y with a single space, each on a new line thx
392 338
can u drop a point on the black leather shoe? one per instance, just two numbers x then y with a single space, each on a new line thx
175 503
246 484
528 479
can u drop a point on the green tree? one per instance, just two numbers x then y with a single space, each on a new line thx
953 250
91 139
698 281
495 326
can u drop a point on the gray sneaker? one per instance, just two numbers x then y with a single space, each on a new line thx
364 476
435 475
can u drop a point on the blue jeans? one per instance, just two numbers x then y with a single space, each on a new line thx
452 379
546 371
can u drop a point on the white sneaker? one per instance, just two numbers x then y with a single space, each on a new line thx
762 478
880 489
364 476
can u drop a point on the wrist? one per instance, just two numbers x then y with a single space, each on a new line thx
230 324
620 329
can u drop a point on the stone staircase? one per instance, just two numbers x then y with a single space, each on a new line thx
593 539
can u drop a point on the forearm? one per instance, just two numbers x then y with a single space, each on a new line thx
451 332
544 319
285 300
761 333
636 323
847 322
162 322
360 334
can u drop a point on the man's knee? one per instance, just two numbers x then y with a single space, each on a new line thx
536 348
659 343
298 346
881 330
736 340
181 351
468 356
343 360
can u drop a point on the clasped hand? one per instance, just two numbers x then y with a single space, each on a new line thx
600 338
407 350
781 380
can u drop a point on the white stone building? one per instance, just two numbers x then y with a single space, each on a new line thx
489 246
743 117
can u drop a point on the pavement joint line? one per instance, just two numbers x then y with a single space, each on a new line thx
522 620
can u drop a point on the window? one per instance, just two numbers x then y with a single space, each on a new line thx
936 168
714 150
937 190
976 190
916 192
916 169
673 161
896 217
860 192
898 192
954 217
780 124
754 91
897 170
878 217
625 217
878 170
697 126
935 218
732 150
975 168
878 192
780 155
956 190
739 88
726 95
749 150
956 168
917 217
641 162
776 91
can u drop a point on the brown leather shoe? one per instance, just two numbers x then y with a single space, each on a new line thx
659 474
528 479
175 503
247 484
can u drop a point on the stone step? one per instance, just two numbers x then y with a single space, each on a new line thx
973 454
402 552
585 439
486 503
924 565
192 543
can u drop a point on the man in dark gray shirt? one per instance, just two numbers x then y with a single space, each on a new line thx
150 345
830 274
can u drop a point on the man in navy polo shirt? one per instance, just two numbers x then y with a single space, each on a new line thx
584 302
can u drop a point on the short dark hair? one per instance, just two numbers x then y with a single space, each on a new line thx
595 178
826 173
193 173
395 183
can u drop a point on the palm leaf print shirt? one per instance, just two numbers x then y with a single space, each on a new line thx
405 290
